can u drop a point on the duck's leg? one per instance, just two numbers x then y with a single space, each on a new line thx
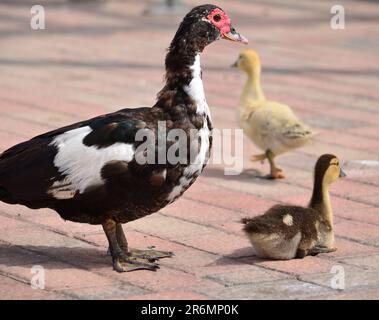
121 261
150 255
121 239
275 172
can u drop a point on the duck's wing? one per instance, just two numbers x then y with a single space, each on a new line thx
296 134
289 129
286 220
60 163
268 223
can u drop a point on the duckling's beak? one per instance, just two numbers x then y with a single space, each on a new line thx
342 173
233 35
235 64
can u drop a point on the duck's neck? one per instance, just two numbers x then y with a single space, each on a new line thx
320 200
184 86
252 91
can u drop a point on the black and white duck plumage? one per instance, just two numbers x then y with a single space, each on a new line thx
88 172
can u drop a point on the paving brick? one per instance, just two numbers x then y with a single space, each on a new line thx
366 131
201 213
280 289
372 199
58 275
362 232
9 223
53 221
357 294
191 260
170 295
367 262
347 248
229 198
251 274
11 289
105 292
38 239
348 139
307 265
193 235
165 279
369 215
11 255
352 279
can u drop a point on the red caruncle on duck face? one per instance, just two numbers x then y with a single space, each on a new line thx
220 20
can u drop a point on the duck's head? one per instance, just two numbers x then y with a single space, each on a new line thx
328 169
205 24
248 61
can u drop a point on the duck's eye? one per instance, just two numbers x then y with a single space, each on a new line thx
217 18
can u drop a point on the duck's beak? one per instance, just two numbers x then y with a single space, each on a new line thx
233 35
342 173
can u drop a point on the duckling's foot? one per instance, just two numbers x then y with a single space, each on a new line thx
125 263
258 157
301 253
276 174
150 255
316 250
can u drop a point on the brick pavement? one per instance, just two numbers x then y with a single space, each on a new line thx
96 57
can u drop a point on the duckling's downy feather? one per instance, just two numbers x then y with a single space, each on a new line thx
272 125
269 124
286 232
279 232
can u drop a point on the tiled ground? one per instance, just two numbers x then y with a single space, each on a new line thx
98 56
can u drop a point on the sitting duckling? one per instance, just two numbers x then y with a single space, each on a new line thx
271 125
285 232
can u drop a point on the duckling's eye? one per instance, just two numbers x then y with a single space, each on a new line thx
217 18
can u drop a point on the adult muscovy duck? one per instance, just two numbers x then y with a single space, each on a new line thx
89 171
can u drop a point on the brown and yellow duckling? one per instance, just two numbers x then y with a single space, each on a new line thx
286 232
271 125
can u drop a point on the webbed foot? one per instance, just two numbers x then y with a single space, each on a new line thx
150 255
276 174
316 250
125 263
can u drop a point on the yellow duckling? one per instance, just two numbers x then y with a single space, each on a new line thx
271 125
285 232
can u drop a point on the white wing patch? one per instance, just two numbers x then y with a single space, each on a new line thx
288 220
82 164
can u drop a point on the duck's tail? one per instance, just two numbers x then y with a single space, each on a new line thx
6 196
245 220
253 225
